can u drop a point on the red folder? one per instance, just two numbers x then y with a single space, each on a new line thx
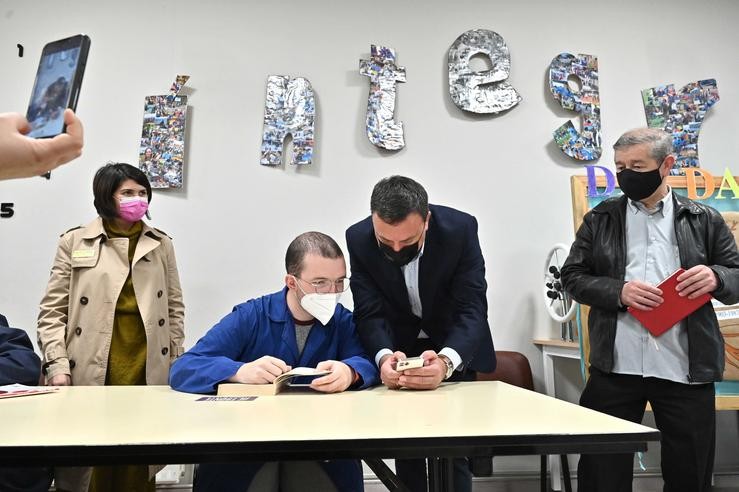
673 309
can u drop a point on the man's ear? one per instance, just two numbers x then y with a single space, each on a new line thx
290 282
667 164
428 220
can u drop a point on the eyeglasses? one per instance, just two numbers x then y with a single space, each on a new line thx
325 286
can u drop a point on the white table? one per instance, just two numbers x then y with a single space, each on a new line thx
154 424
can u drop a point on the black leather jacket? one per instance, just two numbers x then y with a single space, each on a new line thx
594 275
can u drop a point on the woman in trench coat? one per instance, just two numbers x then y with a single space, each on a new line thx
113 311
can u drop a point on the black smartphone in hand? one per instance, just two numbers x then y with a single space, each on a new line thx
57 85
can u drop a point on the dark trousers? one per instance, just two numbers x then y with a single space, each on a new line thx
685 415
25 479
232 477
412 472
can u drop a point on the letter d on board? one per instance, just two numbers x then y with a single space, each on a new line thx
691 184
592 186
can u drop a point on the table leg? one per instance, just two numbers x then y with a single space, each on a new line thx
554 468
447 474
434 474
386 475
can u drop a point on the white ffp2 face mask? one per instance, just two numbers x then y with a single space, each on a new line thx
320 306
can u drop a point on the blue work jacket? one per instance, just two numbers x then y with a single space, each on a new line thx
265 326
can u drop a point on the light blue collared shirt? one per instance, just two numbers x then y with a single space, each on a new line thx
651 256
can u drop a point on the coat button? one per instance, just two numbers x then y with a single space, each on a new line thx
165 351
161 322
159 294
72 363
83 300
78 331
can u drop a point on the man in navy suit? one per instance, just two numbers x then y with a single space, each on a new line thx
19 364
418 282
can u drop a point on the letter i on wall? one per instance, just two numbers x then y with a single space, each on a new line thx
162 146
582 145
382 130
289 108
681 114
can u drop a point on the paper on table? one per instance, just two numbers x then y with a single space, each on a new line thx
15 390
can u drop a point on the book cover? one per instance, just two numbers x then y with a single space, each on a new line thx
673 309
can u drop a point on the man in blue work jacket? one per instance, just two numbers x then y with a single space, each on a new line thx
301 325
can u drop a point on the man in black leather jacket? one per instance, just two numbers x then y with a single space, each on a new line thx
623 249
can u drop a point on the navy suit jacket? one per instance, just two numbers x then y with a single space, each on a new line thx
452 288
18 362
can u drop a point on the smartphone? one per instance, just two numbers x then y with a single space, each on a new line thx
409 363
57 85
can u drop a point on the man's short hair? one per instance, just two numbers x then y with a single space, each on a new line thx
660 142
312 242
396 197
108 179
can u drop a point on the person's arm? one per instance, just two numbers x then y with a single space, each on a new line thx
369 317
176 307
215 357
352 353
579 279
24 157
18 362
469 297
52 319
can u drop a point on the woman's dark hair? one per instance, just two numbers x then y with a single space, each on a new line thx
107 180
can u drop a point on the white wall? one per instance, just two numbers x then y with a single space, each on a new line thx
234 218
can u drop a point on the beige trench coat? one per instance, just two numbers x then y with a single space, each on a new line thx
75 323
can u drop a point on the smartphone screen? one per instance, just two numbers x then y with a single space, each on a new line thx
58 80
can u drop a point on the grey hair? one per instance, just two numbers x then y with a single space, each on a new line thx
310 243
660 141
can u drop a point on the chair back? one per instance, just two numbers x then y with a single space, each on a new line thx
512 368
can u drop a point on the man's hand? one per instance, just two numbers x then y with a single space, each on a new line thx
697 281
261 371
641 295
340 378
60 380
23 157
388 374
427 377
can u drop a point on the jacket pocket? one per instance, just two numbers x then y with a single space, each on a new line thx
85 262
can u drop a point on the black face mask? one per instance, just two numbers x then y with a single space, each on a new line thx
639 185
402 257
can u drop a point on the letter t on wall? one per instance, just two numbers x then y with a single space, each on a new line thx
382 130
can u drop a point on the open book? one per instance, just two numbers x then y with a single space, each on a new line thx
280 383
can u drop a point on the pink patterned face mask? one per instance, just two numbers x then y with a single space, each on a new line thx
133 209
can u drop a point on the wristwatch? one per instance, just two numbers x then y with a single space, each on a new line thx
449 366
